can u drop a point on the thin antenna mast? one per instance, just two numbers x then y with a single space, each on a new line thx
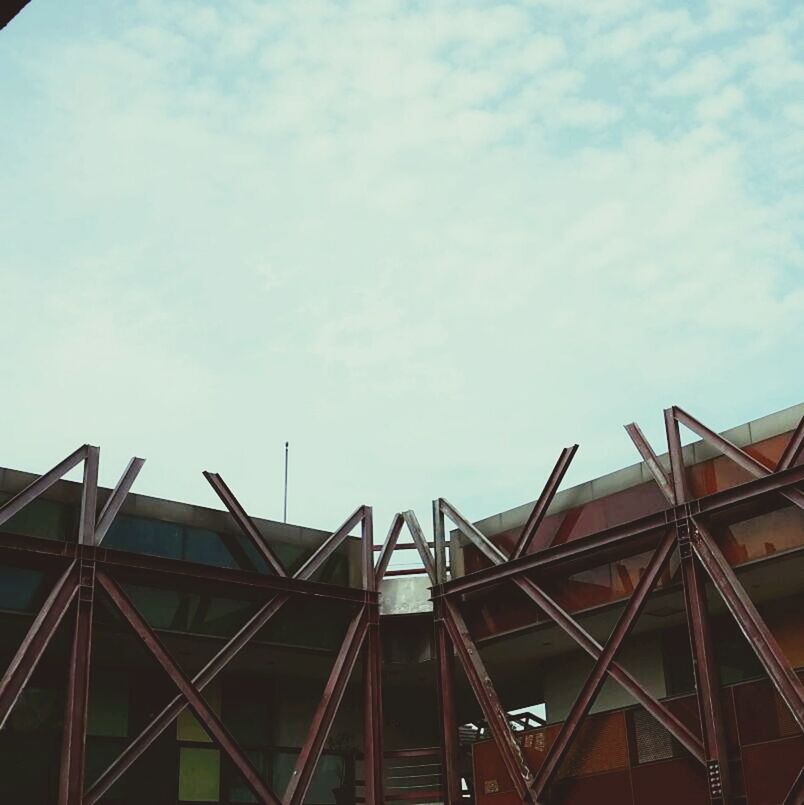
285 510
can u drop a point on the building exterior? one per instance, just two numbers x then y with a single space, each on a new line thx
635 639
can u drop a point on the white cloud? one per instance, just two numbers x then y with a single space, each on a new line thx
429 244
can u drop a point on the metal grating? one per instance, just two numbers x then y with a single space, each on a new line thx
653 741
601 746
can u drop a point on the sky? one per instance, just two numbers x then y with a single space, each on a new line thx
428 243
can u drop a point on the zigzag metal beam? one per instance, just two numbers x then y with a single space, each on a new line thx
585 699
218 663
203 712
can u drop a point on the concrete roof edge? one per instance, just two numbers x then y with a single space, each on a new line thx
188 514
742 435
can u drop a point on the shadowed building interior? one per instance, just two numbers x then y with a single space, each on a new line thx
456 681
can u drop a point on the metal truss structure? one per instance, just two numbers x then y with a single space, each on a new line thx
682 526
89 568
685 525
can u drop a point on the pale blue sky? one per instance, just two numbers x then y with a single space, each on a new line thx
429 243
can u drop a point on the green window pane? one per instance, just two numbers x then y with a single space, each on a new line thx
187 726
199 775
108 705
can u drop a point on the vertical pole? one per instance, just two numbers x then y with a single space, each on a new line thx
285 506
445 668
704 665
373 767
439 542
73 747
450 750
71 780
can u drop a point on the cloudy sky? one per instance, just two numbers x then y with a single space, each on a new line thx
430 243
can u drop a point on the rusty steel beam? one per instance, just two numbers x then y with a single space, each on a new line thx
373 720
367 546
74 733
40 485
795 796
372 679
705 672
543 503
450 746
319 558
324 717
89 497
244 522
572 628
623 540
652 461
471 532
158 570
585 699
36 640
750 622
736 454
174 708
625 679
704 663
439 542
420 541
489 701
794 447
214 667
388 547
117 498
212 725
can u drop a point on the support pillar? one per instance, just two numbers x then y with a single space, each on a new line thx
71 779
707 683
450 747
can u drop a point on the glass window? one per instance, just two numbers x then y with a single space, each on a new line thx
199 775
21 589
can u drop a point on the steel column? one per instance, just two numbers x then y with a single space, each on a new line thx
372 676
489 702
757 634
450 746
327 710
707 682
73 749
